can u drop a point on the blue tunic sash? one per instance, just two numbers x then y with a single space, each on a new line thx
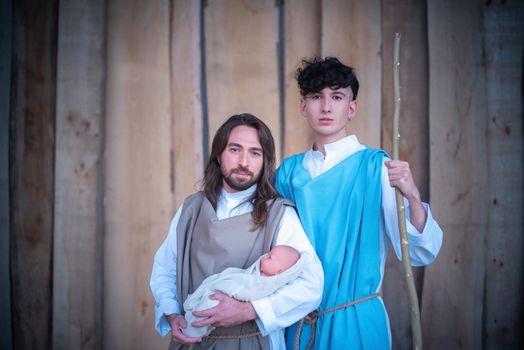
340 213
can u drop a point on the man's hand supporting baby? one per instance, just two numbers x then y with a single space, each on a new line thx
229 312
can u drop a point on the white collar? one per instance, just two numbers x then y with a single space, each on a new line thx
348 145
237 197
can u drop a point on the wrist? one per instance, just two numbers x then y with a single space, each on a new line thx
249 311
414 198
170 317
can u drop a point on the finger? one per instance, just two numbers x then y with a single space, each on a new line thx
205 313
202 323
217 296
187 340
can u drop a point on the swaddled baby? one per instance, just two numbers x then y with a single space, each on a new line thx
271 271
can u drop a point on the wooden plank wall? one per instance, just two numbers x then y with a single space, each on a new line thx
504 47
410 19
241 66
147 104
186 101
6 26
31 171
454 285
137 183
78 165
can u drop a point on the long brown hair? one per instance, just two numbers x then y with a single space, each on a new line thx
212 182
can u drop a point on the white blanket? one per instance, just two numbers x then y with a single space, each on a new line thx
243 285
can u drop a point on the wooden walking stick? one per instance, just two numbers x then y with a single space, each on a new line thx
408 273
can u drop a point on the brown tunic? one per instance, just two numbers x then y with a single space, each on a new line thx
207 245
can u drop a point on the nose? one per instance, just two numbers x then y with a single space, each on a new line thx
244 159
326 105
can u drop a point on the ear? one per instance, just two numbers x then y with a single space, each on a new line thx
303 106
352 110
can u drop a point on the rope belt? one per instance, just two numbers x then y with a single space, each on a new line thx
222 337
311 319
232 336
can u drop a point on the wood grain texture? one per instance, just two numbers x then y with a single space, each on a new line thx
6 28
241 62
302 41
31 171
351 31
139 201
79 135
503 47
452 306
186 78
409 19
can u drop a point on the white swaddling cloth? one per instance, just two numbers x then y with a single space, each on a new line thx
241 284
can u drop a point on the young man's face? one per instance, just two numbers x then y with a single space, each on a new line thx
328 113
242 160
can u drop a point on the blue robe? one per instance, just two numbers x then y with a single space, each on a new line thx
340 212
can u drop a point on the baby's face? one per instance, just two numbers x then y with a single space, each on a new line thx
276 261
269 265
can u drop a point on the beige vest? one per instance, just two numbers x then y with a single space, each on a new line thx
206 245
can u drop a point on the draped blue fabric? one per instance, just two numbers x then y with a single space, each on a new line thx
340 212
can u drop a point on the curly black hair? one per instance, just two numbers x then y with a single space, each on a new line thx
317 74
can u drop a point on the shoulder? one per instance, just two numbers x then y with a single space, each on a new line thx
283 202
291 161
194 198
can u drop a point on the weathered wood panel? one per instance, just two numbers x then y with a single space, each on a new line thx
6 23
453 286
504 47
408 18
79 135
31 171
351 31
186 79
138 195
241 62
302 40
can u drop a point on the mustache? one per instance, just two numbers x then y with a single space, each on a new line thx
241 169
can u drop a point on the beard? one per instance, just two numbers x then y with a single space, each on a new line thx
239 184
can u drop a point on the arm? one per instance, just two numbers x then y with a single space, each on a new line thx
400 176
299 297
289 303
163 280
424 234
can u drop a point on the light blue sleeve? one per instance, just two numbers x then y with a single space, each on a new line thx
163 279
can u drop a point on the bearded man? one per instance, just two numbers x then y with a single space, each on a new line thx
235 219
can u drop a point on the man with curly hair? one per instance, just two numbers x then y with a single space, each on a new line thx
344 194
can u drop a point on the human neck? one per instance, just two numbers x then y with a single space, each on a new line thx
321 140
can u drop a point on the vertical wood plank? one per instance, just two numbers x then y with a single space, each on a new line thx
138 139
6 23
504 46
454 284
351 31
188 162
302 40
79 105
31 172
241 62
410 19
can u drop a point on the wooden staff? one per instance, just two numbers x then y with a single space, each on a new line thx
408 273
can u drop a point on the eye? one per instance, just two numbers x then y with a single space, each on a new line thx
337 98
234 149
256 154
